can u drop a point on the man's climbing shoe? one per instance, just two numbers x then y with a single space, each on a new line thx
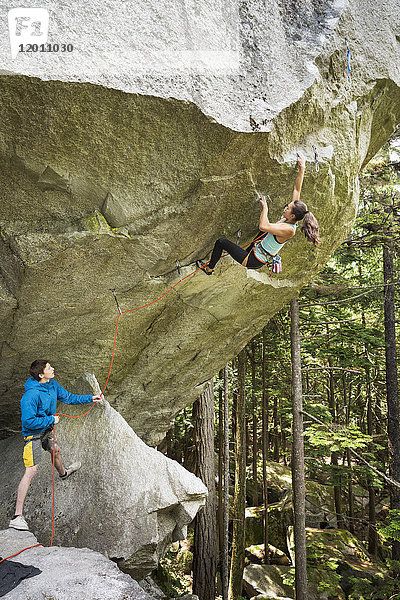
204 267
19 523
71 469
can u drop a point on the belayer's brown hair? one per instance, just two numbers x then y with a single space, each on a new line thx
310 226
37 367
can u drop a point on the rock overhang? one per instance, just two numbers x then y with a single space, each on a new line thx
107 189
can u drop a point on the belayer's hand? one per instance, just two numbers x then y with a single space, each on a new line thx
98 398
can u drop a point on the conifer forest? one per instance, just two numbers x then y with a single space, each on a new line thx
298 438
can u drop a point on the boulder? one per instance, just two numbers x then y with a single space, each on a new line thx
280 517
195 110
266 580
339 552
331 544
262 597
277 581
256 554
229 60
320 504
67 572
149 586
128 501
254 525
319 507
319 497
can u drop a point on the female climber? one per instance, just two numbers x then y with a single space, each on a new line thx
272 236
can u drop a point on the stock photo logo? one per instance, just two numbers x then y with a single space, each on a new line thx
28 29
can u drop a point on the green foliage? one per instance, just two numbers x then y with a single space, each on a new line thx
288 577
322 568
328 579
171 578
390 530
337 441
378 587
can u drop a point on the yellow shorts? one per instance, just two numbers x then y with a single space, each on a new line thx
33 445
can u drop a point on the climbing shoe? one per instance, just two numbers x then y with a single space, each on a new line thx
19 522
204 267
71 469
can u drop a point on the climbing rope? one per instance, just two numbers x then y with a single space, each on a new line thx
120 312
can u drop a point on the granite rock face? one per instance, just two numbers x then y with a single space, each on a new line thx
113 169
67 572
128 501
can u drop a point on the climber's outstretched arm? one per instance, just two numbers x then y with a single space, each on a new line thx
281 229
301 161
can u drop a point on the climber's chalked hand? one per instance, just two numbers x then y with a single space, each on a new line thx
301 161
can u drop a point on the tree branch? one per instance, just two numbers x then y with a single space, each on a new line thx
389 480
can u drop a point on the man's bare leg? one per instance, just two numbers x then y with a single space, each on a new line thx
23 488
58 463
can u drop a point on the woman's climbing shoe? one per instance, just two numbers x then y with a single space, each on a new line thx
205 268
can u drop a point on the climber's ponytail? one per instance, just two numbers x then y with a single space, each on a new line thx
310 226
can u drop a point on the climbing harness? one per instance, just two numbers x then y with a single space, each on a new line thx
268 257
316 158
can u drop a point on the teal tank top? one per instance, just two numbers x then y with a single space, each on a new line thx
269 244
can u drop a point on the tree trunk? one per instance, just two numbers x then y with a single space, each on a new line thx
298 457
346 401
237 562
225 514
205 530
337 491
265 447
372 535
350 492
276 434
391 382
254 417
220 468
283 433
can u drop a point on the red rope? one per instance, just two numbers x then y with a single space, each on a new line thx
23 550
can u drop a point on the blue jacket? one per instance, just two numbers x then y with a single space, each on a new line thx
38 404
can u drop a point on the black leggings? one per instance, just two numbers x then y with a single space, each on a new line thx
237 253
